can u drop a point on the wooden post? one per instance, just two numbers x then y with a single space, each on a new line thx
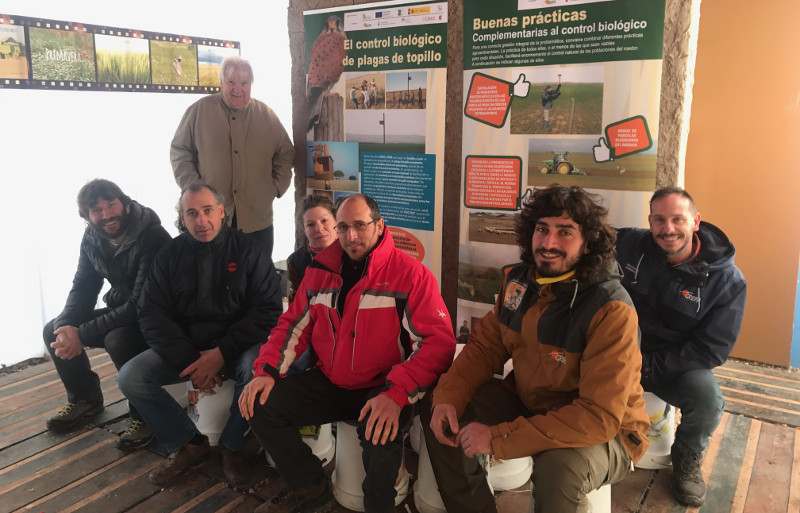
331 120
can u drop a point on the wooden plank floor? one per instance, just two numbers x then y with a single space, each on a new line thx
752 465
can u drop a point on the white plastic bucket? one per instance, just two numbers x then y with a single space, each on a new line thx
510 474
661 433
212 410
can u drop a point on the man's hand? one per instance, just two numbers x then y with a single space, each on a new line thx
475 438
384 419
68 343
203 371
444 424
247 399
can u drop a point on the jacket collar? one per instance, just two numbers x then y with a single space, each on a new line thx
331 257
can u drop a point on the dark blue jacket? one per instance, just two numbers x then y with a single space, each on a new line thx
689 314
125 271
224 293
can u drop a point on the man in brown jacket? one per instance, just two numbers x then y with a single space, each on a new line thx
573 401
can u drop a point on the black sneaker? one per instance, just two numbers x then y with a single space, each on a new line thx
136 436
71 414
688 486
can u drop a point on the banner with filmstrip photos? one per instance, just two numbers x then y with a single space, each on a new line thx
38 53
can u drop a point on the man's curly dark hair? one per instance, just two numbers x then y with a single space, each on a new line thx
585 209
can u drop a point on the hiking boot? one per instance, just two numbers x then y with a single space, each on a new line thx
137 435
303 500
71 414
687 482
179 461
235 466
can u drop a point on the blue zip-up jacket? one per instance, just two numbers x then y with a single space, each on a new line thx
689 314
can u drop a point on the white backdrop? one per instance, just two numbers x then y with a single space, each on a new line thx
55 141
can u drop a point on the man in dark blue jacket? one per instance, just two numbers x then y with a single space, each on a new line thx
118 245
690 299
211 299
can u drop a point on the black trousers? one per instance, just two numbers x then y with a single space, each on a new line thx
309 398
80 382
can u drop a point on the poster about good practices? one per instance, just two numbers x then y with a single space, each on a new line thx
554 92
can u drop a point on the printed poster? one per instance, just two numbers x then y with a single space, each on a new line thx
376 75
554 92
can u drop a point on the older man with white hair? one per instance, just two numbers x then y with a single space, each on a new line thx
237 145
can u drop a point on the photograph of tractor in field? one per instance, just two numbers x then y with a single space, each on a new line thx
560 165
570 161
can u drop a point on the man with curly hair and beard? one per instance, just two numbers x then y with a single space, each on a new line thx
573 401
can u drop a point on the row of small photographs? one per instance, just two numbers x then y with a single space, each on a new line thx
378 91
80 56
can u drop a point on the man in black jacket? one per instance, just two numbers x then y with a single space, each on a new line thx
690 299
211 299
118 245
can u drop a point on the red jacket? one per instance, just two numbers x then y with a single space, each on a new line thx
395 328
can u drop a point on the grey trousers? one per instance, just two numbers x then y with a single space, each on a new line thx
561 477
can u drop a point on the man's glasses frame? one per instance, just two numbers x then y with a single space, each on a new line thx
358 226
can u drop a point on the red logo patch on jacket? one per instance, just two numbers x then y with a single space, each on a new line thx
231 267
559 357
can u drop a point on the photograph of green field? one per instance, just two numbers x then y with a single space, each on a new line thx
631 173
209 59
13 53
478 283
122 60
579 110
62 54
173 63
492 227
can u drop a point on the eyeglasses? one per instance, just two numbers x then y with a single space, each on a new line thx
358 226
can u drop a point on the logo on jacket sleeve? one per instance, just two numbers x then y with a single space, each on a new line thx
441 313
231 267
559 357
691 297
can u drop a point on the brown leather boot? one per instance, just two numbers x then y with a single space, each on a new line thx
235 466
179 461
688 486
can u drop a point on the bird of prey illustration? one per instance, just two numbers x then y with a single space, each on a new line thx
325 65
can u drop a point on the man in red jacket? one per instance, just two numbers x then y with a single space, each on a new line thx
382 335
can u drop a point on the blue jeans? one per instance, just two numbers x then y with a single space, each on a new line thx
142 380
697 394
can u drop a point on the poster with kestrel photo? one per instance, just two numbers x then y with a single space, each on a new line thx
13 53
62 54
122 60
173 63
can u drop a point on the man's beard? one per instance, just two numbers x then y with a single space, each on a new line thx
123 220
686 242
548 270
